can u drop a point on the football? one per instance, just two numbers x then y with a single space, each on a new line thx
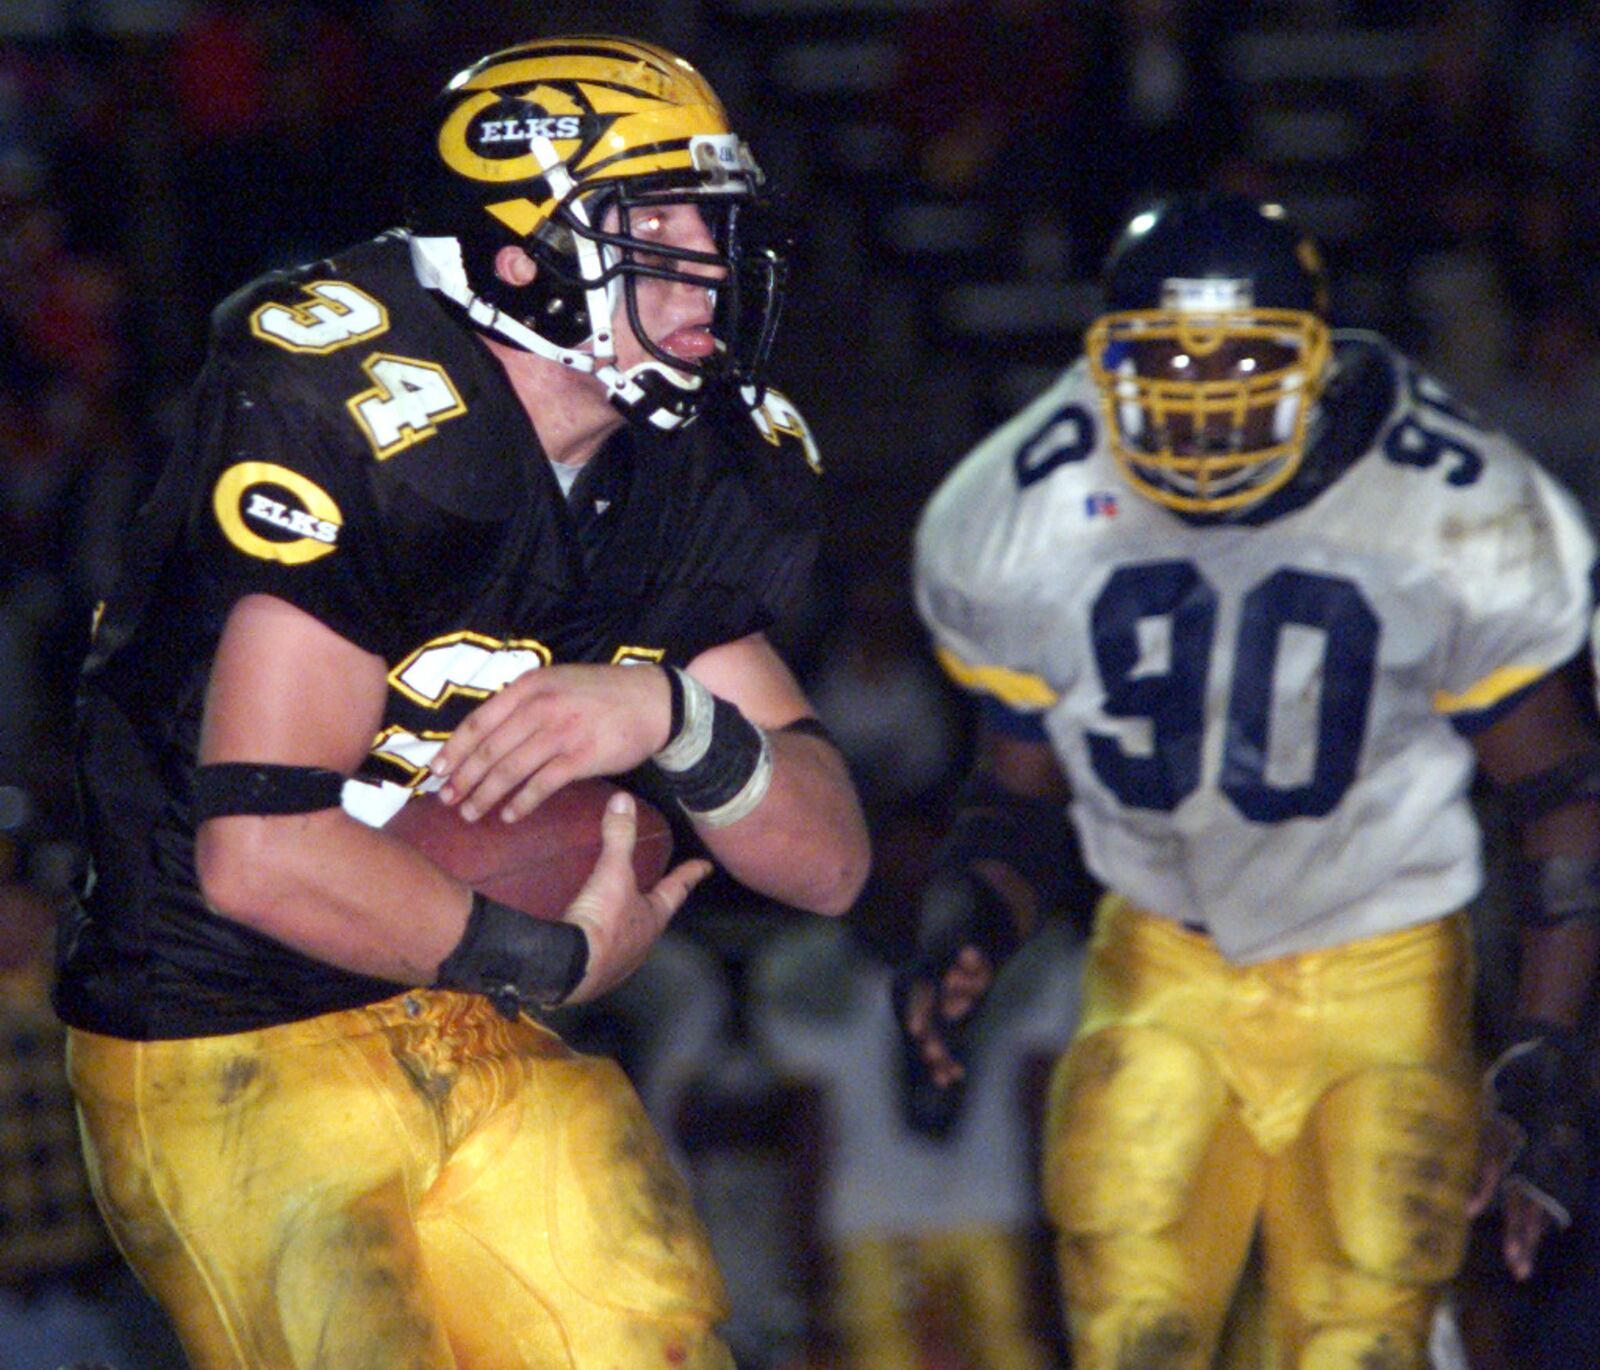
538 863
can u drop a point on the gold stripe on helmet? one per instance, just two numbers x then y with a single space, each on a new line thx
650 70
654 141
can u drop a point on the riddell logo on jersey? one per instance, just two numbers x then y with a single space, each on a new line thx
1101 504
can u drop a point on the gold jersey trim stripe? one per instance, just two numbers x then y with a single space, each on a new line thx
1020 689
1490 690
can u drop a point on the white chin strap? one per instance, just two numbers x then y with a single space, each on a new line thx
438 264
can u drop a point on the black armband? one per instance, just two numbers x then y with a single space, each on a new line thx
1556 890
1034 837
717 764
516 961
226 788
1578 777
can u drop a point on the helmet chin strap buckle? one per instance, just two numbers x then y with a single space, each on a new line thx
653 394
650 393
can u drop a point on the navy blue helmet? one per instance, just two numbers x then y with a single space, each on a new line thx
1212 350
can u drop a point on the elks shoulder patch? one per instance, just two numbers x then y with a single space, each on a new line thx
276 514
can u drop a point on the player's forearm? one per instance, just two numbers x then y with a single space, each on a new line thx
1558 893
806 843
334 889
1557 972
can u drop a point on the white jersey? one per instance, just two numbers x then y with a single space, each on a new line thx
1263 725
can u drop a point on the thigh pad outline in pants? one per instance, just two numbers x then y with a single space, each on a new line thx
258 1185
1131 1116
1366 1219
312 1219
573 1200
1397 1148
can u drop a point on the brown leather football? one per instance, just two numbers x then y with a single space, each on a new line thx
538 863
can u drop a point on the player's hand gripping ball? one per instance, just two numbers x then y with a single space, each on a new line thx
539 863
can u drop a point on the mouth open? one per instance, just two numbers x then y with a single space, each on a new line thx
694 342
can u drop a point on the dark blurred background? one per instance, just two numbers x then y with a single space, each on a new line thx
953 171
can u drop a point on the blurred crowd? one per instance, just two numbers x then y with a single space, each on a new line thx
154 154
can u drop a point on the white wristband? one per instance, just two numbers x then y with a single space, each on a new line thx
718 763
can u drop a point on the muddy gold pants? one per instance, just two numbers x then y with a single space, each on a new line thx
975 1281
1330 1096
414 1185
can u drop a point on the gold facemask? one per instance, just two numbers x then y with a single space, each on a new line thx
1209 446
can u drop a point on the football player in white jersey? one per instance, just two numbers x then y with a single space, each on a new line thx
1249 603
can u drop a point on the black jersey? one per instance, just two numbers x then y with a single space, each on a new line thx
353 448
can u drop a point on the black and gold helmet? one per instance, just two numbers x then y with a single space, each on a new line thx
534 146
1212 352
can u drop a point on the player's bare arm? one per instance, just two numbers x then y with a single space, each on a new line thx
805 842
1545 737
548 727
329 885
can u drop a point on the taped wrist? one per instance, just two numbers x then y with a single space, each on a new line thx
717 764
1034 837
1537 1084
517 962
1540 1067
959 909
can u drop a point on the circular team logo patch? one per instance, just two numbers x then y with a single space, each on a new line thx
490 136
276 514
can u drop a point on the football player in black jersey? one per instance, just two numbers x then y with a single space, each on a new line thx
479 507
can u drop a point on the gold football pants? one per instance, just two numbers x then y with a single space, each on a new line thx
977 1282
410 1186
1329 1096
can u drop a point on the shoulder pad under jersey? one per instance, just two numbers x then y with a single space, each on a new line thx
780 423
772 449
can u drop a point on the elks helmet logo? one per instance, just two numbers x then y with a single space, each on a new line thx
597 126
275 514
